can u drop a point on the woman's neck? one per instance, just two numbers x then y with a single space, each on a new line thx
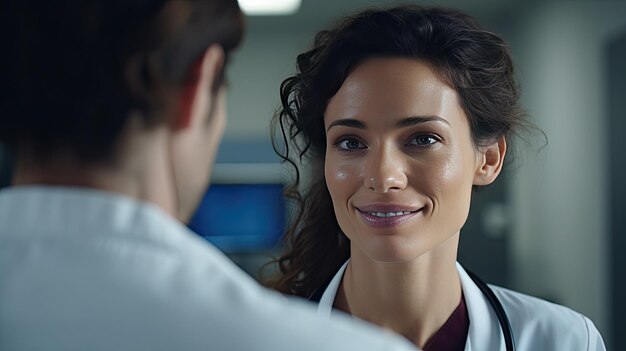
413 299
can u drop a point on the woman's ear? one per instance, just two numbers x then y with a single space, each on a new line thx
196 96
490 161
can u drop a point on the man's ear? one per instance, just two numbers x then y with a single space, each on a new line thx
196 97
490 161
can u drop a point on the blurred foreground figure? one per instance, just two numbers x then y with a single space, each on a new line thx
114 111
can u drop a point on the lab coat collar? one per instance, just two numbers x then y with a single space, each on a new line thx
83 212
484 329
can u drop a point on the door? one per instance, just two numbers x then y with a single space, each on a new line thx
617 188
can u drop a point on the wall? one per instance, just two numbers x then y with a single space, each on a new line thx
264 60
559 193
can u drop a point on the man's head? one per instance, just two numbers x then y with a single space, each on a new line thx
76 74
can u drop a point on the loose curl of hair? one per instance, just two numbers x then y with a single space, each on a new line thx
476 63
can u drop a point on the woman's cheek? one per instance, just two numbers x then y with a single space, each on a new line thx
455 188
341 176
451 173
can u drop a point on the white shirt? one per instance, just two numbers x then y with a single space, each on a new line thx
88 270
537 325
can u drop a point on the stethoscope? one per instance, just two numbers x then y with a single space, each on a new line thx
503 319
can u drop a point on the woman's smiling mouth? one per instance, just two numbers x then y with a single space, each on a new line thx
385 216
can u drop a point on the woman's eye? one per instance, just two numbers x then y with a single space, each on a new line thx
424 140
350 144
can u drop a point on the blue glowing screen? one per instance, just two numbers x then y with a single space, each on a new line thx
241 217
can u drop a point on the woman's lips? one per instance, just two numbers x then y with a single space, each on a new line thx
385 216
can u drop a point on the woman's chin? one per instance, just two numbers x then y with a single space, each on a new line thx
393 251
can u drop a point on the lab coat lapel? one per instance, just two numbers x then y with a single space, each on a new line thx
484 329
327 300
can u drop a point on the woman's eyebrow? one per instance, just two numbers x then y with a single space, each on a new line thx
348 122
411 121
406 122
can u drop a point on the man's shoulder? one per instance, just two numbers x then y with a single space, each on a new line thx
207 299
141 292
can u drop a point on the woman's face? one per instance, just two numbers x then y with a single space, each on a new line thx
400 162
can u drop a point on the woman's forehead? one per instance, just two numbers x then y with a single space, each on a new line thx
395 88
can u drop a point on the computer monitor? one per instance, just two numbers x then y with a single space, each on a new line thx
244 210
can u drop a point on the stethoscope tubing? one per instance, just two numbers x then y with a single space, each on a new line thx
503 319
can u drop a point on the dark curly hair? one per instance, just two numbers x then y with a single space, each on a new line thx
476 63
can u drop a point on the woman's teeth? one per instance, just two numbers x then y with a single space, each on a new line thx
388 214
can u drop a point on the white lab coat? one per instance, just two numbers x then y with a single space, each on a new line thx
88 270
537 325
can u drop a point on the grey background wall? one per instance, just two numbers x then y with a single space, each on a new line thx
560 196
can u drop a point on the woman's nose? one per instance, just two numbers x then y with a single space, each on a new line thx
385 170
